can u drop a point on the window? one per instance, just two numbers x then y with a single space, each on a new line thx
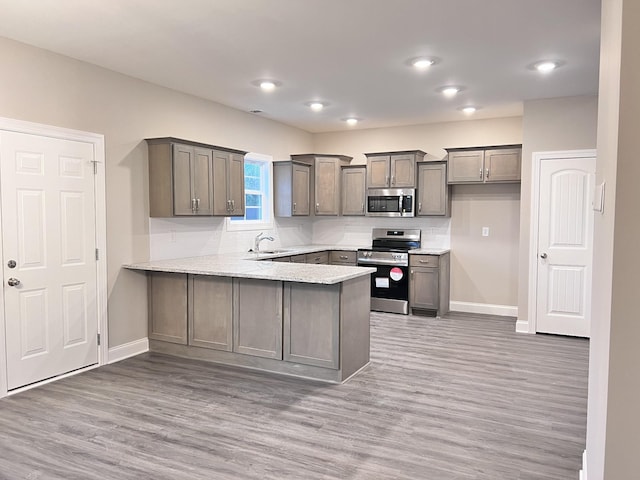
257 193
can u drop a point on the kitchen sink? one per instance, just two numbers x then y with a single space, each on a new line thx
272 251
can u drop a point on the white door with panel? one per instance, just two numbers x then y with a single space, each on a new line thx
565 245
49 253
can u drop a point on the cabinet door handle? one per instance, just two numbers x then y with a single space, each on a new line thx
343 257
317 207
197 204
423 261
393 179
294 207
193 205
228 205
486 173
419 207
233 205
480 173
386 180
412 273
362 207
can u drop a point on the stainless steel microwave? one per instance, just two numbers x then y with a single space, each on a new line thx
391 202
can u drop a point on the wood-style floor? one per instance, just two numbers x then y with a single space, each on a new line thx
462 397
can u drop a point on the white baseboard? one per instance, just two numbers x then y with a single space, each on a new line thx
583 472
484 308
127 350
522 326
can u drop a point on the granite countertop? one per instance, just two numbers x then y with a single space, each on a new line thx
245 266
248 265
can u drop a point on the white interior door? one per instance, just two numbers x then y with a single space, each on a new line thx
48 244
565 245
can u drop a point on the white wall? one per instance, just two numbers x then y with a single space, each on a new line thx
567 123
39 86
483 269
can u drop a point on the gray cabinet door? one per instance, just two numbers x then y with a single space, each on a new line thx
167 296
378 171
319 258
301 182
327 186
466 166
403 171
235 184
221 204
211 312
183 198
302 258
423 288
502 165
312 324
202 181
433 190
353 190
257 328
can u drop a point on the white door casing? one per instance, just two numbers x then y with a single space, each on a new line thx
52 222
562 243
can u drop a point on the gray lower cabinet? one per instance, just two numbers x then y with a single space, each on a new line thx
320 258
354 189
343 257
312 324
211 312
429 283
167 296
433 190
257 329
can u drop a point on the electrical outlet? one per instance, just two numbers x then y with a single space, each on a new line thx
485 231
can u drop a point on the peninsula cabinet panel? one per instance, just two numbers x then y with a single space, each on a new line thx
312 324
257 328
354 189
211 312
433 190
502 165
167 296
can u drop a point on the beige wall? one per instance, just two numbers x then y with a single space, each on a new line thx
483 269
51 89
567 123
613 420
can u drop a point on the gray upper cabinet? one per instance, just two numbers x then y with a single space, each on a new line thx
393 169
326 180
228 183
485 164
433 190
291 182
183 180
354 178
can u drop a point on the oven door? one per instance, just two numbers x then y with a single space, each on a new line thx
390 289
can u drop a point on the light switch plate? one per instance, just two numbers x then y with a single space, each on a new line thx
485 231
598 198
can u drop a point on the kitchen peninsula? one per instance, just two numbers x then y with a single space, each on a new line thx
305 320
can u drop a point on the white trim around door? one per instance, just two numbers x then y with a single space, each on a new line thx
97 140
529 326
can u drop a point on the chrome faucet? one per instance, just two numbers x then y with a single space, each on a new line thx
259 238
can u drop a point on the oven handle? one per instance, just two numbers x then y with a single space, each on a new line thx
366 261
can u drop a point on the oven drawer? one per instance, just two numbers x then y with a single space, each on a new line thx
416 260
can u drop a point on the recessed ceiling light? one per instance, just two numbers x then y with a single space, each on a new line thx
450 90
351 121
546 67
316 106
469 109
266 84
422 63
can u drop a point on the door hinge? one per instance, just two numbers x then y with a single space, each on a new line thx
95 166
97 254
98 339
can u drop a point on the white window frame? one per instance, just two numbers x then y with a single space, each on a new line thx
248 225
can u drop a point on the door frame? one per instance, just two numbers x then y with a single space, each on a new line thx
97 140
536 162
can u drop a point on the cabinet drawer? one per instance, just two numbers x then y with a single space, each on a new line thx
319 258
302 258
342 257
282 259
424 260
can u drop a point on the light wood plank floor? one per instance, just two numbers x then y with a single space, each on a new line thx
462 397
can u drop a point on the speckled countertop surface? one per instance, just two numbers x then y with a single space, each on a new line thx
245 265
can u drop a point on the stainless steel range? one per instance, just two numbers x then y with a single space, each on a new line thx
389 255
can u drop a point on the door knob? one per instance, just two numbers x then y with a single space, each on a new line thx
11 264
13 282
543 256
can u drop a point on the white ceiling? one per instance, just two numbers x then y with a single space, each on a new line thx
350 53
